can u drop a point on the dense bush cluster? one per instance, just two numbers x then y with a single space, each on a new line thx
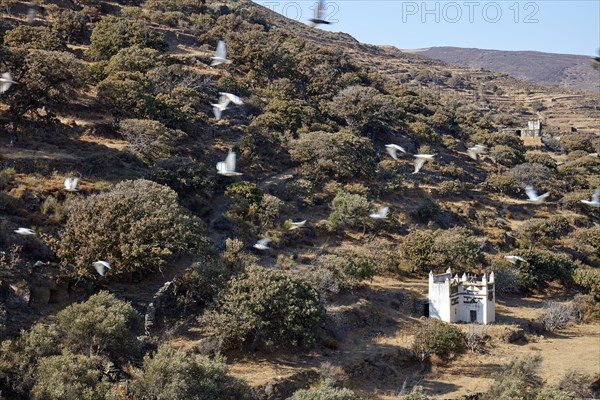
263 305
135 226
437 337
454 248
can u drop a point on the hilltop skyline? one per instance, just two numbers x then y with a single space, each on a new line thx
545 26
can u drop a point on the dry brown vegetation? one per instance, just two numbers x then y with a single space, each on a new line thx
142 114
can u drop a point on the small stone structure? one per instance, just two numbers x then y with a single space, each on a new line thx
470 298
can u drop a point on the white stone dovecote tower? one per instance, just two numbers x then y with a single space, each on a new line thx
470 298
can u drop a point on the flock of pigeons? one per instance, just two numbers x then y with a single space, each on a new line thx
228 167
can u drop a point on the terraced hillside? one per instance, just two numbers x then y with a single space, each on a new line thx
120 95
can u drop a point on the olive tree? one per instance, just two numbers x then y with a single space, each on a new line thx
135 225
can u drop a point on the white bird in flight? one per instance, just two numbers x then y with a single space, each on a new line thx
296 225
101 266
24 231
5 82
420 159
392 149
533 196
227 167
475 151
514 259
318 19
31 15
381 213
71 184
221 55
223 103
595 202
262 244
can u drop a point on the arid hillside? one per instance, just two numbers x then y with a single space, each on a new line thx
259 223
568 71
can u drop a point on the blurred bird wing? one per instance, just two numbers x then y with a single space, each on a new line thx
531 193
383 211
392 151
300 223
217 111
472 153
230 161
419 164
221 50
221 167
231 98
596 196
263 242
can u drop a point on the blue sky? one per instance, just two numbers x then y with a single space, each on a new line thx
556 26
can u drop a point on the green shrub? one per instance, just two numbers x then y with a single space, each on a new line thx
135 59
326 390
544 232
135 226
424 133
437 337
70 25
149 140
531 174
172 374
517 380
102 324
270 306
429 210
543 267
184 175
417 393
578 141
342 271
364 107
53 75
504 184
127 93
20 357
542 159
35 37
113 33
452 188
506 155
348 210
327 156
71 376
588 278
245 190
427 250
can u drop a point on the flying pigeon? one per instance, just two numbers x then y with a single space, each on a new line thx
221 55
318 19
227 167
533 196
296 225
71 184
5 82
475 151
595 202
262 244
31 15
381 213
392 149
420 159
224 101
24 231
101 266
514 259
